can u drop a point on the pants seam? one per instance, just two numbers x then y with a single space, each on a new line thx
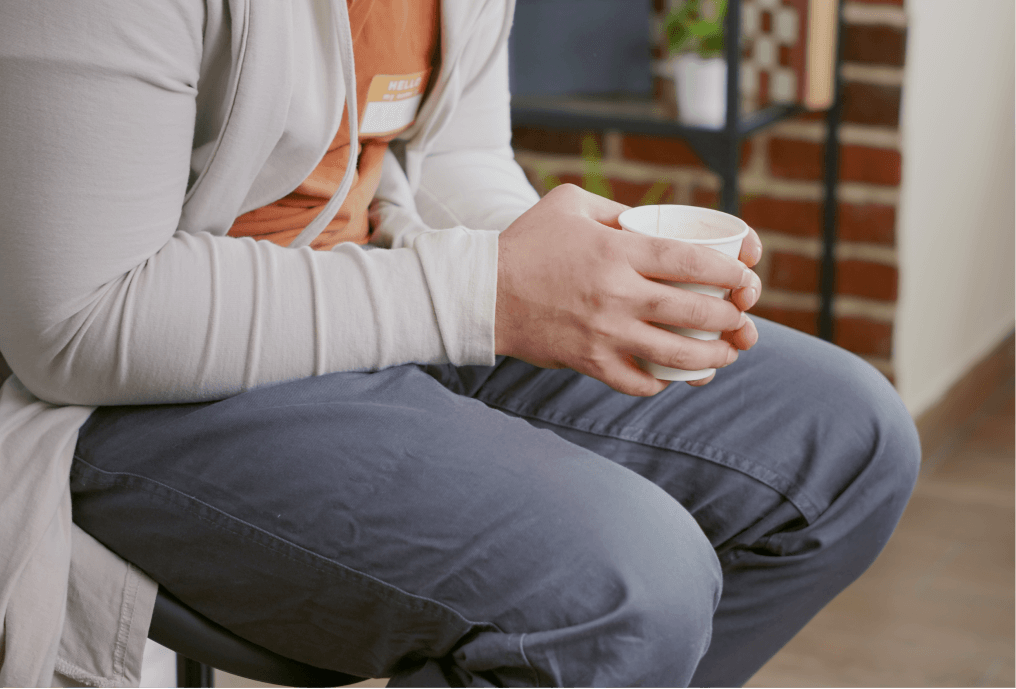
796 495
532 668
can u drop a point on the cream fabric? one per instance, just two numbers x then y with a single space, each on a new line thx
134 132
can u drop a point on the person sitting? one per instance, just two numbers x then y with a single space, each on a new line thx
317 358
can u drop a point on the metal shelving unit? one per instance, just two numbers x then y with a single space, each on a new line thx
718 148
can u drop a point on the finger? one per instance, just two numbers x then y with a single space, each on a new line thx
743 338
677 351
676 261
593 206
624 375
751 249
687 309
748 295
702 381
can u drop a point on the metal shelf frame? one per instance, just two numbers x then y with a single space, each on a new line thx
719 149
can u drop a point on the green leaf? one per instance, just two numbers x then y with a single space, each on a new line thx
711 46
677 35
655 193
676 25
548 181
593 179
704 28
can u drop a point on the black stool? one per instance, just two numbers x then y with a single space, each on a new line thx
202 645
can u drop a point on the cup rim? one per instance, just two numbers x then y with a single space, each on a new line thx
698 209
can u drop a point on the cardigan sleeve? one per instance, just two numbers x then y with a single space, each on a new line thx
462 176
104 301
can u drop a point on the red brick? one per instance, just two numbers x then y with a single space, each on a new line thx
799 218
874 44
856 334
785 55
559 141
792 159
797 273
568 178
867 279
811 116
706 198
667 151
864 336
871 223
792 272
747 148
624 191
805 321
651 149
763 88
632 193
872 165
871 104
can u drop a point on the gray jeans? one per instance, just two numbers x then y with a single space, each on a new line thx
511 525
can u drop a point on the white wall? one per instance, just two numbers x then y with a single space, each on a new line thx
957 225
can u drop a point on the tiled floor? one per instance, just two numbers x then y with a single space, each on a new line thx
936 609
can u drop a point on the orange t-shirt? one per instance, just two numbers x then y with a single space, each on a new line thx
396 51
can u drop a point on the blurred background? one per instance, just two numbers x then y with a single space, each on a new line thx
923 259
918 255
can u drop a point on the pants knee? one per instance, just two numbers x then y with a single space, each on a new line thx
896 451
874 454
657 582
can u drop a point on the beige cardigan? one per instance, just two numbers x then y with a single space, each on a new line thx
133 132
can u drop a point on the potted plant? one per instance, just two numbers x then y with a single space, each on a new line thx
694 33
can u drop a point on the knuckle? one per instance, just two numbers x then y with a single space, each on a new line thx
656 305
566 190
688 258
677 354
697 312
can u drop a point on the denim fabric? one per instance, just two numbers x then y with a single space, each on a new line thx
512 525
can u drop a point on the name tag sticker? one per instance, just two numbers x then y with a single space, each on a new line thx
392 102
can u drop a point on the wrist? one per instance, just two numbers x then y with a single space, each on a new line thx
501 316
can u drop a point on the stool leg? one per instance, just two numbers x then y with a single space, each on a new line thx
191 673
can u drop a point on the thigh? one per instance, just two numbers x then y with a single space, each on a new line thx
769 444
365 521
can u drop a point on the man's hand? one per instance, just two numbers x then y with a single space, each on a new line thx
574 291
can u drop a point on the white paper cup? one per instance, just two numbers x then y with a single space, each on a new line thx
694 225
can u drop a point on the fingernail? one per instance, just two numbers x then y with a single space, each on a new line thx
745 278
743 321
751 294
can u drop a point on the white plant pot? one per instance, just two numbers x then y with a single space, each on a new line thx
701 87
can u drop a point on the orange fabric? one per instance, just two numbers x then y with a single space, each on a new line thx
390 37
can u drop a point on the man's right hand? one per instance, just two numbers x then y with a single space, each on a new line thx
575 291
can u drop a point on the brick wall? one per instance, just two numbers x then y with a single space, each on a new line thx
781 172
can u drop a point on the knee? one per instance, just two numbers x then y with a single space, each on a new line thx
650 582
875 451
894 453
673 582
